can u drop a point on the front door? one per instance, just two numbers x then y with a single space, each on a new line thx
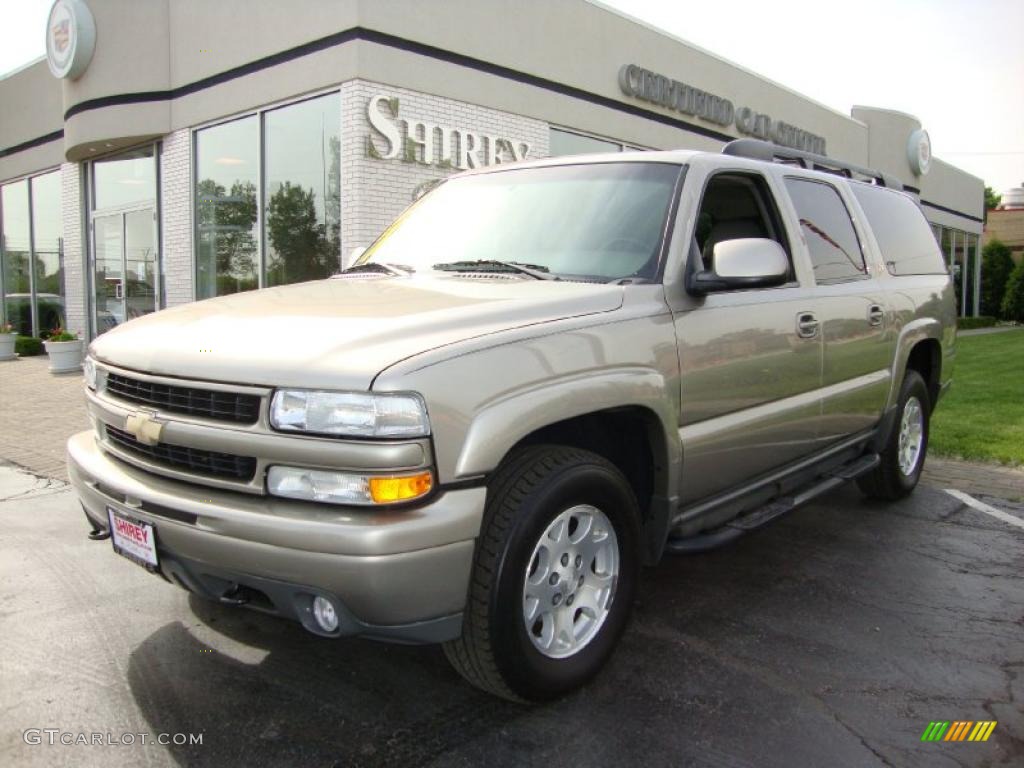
750 360
125 266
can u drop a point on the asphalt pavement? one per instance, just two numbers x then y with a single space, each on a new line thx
831 638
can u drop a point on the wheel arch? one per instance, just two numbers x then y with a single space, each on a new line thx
622 416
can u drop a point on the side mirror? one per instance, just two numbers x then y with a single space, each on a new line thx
354 254
748 262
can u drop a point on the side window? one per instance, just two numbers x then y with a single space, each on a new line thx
906 240
825 222
736 205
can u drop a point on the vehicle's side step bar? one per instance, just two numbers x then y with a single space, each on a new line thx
756 518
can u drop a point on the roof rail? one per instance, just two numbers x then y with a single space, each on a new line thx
755 149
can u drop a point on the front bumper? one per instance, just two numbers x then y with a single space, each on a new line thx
392 574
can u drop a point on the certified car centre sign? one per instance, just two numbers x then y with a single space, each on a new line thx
649 86
70 38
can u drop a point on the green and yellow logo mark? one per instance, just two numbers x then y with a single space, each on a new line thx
958 730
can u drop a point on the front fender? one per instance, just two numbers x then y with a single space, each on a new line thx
505 422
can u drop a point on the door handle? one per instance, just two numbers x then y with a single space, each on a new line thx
806 325
875 314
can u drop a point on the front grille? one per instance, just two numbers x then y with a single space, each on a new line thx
193 460
208 403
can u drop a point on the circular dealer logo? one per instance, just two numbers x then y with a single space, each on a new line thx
70 38
919 151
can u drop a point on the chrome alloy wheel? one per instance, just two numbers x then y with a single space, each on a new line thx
570 581
911 436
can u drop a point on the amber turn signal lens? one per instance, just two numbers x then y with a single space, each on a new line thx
385 490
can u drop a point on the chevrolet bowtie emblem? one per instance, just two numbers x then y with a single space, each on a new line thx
144 427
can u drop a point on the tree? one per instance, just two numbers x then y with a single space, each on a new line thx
996 266
991 201
299 247
1013 301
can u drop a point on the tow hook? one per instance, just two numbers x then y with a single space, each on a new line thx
98 534
236 594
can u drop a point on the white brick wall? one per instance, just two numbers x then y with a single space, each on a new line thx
74 255
176 213
374 191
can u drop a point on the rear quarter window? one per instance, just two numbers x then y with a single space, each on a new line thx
901 230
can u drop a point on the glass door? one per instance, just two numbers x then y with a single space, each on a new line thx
108 247
124 245
140 263
125 251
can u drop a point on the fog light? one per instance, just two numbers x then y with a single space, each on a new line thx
324 613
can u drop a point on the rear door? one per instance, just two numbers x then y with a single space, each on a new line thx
851 308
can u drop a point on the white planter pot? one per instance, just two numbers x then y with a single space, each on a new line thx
65 356
7 345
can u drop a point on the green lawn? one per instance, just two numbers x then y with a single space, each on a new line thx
982 416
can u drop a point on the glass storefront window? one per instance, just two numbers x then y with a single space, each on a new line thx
33 279
125 180
961 254
17 253
227 175
569 143
48 263
303 205
286 232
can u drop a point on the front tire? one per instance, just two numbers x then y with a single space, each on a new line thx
902 460
554 575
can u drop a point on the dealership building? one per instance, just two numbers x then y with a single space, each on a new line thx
167 151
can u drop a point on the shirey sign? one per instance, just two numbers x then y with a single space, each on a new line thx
433 144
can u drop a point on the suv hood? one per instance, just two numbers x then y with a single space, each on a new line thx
338 333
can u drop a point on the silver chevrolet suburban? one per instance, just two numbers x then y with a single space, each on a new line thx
540 378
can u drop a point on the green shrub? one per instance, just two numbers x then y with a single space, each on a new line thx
996 266
27 346
982 321
1013 299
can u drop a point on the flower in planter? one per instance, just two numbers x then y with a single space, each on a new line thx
6 328
59 334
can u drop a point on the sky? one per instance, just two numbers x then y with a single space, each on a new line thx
957 65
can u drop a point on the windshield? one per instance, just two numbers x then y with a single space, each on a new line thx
602 221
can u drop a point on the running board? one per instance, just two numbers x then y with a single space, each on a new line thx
761 516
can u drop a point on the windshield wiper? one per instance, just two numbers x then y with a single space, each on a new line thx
401 270
535 271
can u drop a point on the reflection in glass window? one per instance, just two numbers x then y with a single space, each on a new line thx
125 179
568 143
48 262
303 204
828 230
16 257
226 181
33 274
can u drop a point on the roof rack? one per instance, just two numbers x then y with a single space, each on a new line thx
755 149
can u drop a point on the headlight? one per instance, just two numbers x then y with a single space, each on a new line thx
345 487
352 414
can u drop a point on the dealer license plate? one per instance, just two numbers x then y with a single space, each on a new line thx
133 538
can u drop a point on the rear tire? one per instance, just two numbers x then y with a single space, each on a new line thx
554 575
902 460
